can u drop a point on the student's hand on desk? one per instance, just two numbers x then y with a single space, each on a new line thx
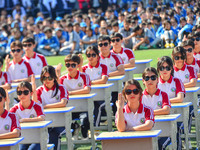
120 102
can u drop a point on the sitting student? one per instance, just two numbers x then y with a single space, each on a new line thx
182 71
52 95
10 127
18 69
27 110
190 60
134 116
98 75
49 45
77 83
126 54
196 39
37 61
4 77
114 62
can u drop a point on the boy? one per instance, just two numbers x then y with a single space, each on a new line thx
126 54
196 39
49 45
36 61
10 127
77 83
18 69
4 78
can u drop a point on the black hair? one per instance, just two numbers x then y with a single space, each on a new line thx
94 48
188 43
149 69
25 84
28 40
136 28
116 34
2 92
72 57
179 50
168 60
104 38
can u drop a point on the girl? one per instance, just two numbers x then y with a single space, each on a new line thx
27 110
182 71
52 95
134 116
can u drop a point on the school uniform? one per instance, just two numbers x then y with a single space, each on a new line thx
195 64
197 55
186 73
19 70
9 122
37 62
34 110
143 114
4 78
126 54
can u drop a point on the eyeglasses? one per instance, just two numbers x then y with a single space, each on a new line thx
1 98
72 65
179 57
113 40
91 55
189 50
15 50
162 68
129 91
25 92
103 44
197 39
27 45
153 78
49 78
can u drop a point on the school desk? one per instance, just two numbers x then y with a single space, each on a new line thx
191 96
117 80
141 65
129 73
168 125
103 93
183 109
61 117
35 132
84 103
10 144
138 140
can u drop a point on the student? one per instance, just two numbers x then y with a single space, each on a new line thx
182 71
190 60
10 127
134 116
172 86
114 62
126 54
27 110
77 82
98 74
4 77
196 39
18 69
36 61
52 95
49 44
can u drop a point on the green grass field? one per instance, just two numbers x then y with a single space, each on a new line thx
139 55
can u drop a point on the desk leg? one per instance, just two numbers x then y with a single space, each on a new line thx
130 75
155 143
108 108
185 122
90 116
44 136
16 147
119 86
68 121
173 134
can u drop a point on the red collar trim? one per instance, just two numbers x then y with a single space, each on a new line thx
169 81
97 65
1 74
146 93
196 53
4 114
18 62
47 89
183 68
76 77
121 52
140 109
29 107
105 57
32 57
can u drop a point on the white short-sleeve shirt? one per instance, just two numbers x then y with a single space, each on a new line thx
112 61
126 54
172 87
37 62
96 72
4 78
80 81
46 96
19 70
197 56
9 122
195 64
157 101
